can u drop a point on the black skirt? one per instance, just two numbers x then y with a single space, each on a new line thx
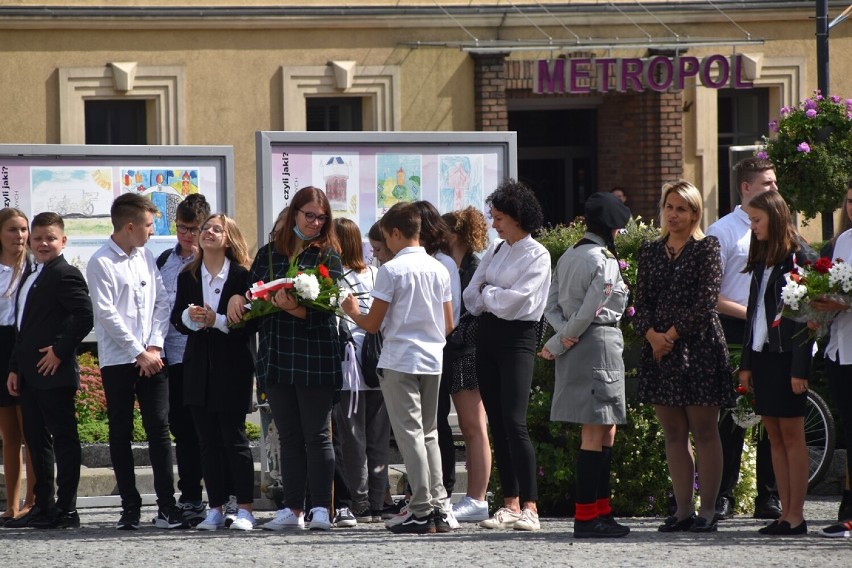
773 391
7 344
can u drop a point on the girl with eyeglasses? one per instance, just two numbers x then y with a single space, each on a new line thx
299 360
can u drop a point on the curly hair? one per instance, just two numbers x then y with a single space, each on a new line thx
193 209
519 202
470 226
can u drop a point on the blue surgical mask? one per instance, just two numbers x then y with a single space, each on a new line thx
302 235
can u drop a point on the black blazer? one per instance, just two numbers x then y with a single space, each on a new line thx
58 312
218 368
789 335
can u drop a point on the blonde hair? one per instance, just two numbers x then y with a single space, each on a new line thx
692 196
237 250
6 214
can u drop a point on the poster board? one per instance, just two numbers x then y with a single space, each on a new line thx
80 182
365 173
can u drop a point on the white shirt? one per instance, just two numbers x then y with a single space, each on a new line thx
734 234
7 299
455 283
839 348
211 287
760 333
416 287
517 280
360 284
131 307
26 285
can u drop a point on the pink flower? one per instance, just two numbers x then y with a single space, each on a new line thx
622 264
773 126
631 311
835 99
785 110
811 113
763 155
804 147
848 103
810 104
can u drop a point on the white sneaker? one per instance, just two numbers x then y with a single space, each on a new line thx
245 521
285 519
527 522
214 521
319 519
504 518
399 518
230 509
470 510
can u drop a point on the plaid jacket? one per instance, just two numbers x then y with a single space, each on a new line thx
294 351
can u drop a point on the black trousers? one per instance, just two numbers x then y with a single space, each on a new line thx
733 438
122 387
445 431
187 449
50 428
303 418
505 355
840 382
226 458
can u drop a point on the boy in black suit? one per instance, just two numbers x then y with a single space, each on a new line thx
54 314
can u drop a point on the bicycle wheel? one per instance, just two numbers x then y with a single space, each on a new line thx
819 437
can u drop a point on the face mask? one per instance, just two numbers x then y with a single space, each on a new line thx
302 235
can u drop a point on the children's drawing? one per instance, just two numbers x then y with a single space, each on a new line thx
166 188
398 179
460 182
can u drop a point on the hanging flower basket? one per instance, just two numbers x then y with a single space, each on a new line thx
812 153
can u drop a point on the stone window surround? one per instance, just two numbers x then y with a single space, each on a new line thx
378 87
162 87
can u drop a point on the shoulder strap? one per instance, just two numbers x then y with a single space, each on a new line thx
497 248
163 258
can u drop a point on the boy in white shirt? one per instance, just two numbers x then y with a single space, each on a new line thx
412 304
131 309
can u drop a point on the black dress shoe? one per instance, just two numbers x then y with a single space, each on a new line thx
57 519
769 509
702 525
673 525
24 521
769 529
4 520
724 508
600 528
784 529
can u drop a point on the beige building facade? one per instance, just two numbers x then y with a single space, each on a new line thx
210 73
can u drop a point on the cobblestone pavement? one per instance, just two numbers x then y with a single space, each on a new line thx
98 544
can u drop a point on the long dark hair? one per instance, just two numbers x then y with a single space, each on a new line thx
351 251
782 239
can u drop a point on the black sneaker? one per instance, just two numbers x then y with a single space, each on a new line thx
598 528
390 511
193 512
439 518
344 518
610 520
129 520
57 519
414 525
171 518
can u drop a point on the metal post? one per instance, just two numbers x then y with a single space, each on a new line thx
823 86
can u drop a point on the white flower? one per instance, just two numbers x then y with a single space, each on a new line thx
792 293
307 286
840 277
743 417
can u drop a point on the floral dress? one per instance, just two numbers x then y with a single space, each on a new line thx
683 292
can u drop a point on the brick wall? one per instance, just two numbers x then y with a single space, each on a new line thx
489 78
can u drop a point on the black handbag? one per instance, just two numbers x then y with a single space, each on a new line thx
464 334
371 350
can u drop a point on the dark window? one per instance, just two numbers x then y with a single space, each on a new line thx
334 114
116 122
743 121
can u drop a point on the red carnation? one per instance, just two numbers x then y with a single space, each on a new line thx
822 265
322 270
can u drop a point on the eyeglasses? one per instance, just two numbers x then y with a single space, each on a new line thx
311 217
215 229
183 229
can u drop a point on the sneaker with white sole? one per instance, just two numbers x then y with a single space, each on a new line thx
319 519
412 524
470 510
285 519
527 522
192 512
838 530
398 518
230 510
245 521
215 520
504 518
343 518
170 518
